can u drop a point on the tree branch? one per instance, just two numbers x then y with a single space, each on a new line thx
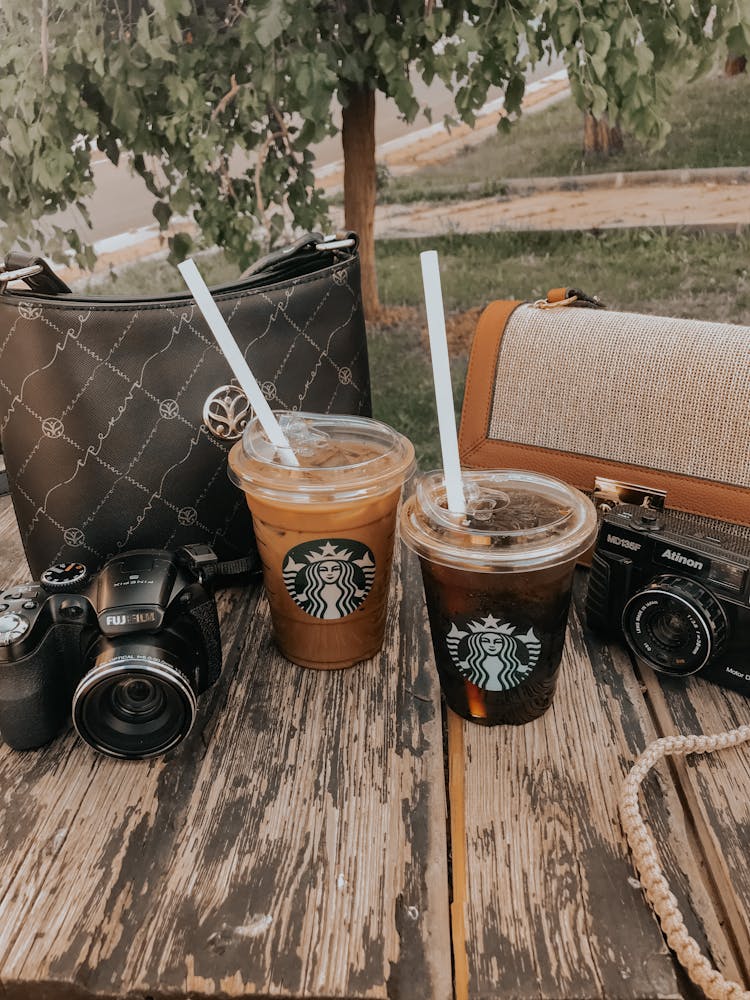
226 99
284 131
44 38
262 154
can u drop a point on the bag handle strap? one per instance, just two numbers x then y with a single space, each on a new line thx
557 297
308 242
642 845
40 277
35 271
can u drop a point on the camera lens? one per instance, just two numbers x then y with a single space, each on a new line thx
138 698
675 625
669 629
133 706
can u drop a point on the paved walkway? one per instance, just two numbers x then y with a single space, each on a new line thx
711 204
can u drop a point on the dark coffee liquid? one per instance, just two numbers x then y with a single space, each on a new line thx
516 511
498 639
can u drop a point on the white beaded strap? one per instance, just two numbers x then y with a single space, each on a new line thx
700 970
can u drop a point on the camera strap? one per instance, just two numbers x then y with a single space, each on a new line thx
642 845
202 560
232 567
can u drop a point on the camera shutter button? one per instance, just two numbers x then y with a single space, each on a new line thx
647 518
71 609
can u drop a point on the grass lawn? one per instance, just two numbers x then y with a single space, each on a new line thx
710 128
702 276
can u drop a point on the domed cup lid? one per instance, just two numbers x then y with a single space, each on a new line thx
515 520
339 458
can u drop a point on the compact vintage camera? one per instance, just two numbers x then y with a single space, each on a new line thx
127 651
676 587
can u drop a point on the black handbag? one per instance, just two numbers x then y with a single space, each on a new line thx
117 415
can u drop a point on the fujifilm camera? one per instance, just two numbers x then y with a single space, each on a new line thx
676 587
126 652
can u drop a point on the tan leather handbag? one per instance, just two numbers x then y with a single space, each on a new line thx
621 405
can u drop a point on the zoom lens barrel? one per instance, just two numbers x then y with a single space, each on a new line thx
675 625
133 706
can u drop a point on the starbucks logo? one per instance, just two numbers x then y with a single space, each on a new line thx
329 577
490 654
53 428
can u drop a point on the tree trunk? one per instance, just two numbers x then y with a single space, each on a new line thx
735 65
599 137
358 137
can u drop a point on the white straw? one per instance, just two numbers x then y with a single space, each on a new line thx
442 376
235 358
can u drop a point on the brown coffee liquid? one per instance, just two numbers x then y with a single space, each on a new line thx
326 567
498 639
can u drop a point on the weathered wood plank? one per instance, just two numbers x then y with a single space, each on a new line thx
13 565
716 789
293 845
541 873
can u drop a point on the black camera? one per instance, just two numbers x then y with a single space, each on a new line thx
129 649
676 587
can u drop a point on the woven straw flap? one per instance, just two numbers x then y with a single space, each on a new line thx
650 391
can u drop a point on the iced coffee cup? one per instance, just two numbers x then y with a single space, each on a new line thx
325 530
497 585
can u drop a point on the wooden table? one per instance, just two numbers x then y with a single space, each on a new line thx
333 835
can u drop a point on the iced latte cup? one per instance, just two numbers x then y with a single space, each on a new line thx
497 585
325 530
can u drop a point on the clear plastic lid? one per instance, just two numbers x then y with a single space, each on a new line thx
340 457
515 520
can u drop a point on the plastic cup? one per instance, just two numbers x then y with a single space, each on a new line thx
497 585
325 530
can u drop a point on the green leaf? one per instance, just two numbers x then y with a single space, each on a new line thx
514 93
19 137
162 213
270 23
644 57
567 26
181 200
180 244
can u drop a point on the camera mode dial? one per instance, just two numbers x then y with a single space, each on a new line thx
675 625
64 578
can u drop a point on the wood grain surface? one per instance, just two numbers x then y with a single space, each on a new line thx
294 844
547 898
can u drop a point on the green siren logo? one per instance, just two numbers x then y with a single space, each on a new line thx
491 655
329 577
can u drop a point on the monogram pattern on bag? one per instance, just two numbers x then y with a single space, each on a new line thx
102 426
